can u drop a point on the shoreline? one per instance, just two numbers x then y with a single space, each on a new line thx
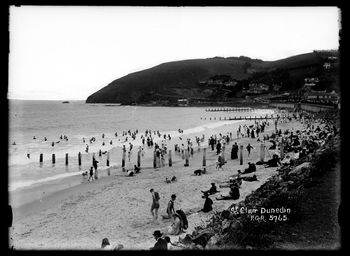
74 177
118 207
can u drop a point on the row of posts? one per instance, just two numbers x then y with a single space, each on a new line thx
156 160
242 118
66 158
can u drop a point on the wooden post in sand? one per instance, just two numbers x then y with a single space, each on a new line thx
241 155
223 153
107 163
66 158
41 158
204 159
79 159
282 149
53 159
123 160
186 158
139 158
100 153
154 159
96 174
262 152
170 160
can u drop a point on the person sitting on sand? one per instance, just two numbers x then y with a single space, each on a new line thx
251 168
173 179
176 226
136 169
274 162
171 246
233 194
170 208
212 190
161 244
251 178
207 204
198 172
167 180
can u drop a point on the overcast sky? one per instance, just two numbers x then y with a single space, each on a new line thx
67 53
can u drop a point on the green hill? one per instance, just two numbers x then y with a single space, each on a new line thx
173 80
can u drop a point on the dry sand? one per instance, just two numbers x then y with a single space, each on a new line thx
118 207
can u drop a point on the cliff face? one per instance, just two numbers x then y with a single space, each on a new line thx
178 79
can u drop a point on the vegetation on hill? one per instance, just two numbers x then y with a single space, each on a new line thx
184 79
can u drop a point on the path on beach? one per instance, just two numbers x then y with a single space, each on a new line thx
118 207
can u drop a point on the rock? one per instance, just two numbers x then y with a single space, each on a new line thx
225 214
249 247
299 169
199 247
213 241
226 225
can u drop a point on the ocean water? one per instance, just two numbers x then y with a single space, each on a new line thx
77 120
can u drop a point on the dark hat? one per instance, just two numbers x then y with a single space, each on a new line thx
151 190
212 183
105 241
173 196
157 233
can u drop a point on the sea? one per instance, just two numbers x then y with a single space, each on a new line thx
30 122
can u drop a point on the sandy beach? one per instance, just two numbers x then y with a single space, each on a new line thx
118 207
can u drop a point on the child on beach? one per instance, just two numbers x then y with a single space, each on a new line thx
249 147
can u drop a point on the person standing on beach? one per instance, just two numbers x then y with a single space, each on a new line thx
91 174
218 147
94 164
234 151
249 147
155 203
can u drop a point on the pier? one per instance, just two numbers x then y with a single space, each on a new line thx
247 117
229 109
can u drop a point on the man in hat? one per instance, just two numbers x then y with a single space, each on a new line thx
161 244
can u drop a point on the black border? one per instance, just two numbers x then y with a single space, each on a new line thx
344 107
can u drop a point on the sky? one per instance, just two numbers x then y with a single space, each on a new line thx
70 52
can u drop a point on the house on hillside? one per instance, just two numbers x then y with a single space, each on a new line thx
182 102
276 87
327 65
322 97
232 83
310 81
255 88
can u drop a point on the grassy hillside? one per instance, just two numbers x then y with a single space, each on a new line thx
178 79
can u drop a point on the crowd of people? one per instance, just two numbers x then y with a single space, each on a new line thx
288 145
